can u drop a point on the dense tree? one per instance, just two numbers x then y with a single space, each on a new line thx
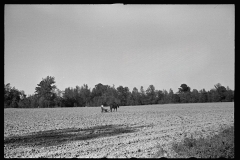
85 93
44 91
110 95
151 95
69 97
221 90
12 96
73 97
170 96
78 96
48 95
7 90
143 96
184 88
165 98
58 97
203 96
135 97
213 96
229 95
7 98
99 90
184 97
194 96
24 103
184 93
98 95
123 95
15 97
176 98
160 97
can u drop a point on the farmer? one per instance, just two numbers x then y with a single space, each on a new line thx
103 109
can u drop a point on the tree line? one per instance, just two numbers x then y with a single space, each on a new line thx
48 95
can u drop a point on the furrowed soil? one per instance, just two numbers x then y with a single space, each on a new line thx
132 131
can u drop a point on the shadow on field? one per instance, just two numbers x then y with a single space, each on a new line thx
59 136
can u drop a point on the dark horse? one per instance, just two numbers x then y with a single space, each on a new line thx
114 106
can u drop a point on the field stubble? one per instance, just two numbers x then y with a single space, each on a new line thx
132 131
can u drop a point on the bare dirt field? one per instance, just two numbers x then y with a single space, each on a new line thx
132 131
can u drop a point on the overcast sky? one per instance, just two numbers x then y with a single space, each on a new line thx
128 45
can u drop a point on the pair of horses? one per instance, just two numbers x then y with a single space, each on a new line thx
113 106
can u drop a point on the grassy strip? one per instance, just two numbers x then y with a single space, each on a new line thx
220 145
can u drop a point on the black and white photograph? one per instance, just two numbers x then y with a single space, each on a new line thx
119 80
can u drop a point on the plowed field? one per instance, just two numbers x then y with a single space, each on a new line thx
132 131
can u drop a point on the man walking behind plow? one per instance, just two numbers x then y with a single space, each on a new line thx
103 109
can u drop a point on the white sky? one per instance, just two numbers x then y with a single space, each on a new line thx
128 45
